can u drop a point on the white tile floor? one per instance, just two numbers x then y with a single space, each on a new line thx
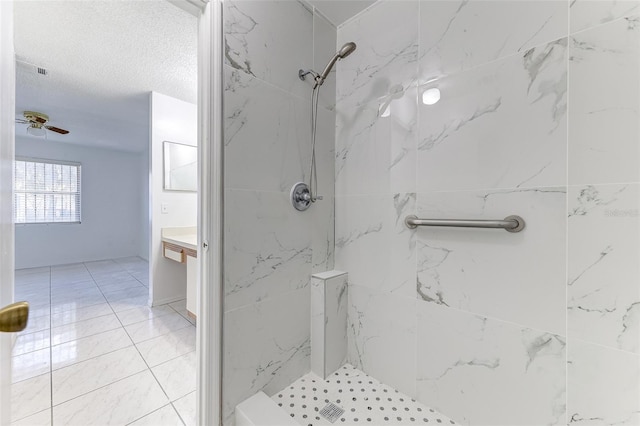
95 354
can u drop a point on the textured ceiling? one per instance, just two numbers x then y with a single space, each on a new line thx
103 58
338 11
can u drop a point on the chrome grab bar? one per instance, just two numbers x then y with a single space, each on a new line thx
511 223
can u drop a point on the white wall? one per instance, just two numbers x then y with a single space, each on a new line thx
175 121
145 216
111 208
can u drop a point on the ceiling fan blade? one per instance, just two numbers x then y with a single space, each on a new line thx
21 121
39 119
57 130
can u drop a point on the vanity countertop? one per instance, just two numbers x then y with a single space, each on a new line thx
186 241
185 237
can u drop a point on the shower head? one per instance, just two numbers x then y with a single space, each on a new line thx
346 50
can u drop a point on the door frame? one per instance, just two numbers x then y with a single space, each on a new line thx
210 212
7 154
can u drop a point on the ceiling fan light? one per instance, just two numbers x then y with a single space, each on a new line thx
36 131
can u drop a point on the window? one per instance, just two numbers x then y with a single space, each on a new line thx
46 191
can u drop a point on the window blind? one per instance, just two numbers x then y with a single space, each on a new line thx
46 191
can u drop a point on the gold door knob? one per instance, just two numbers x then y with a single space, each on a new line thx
14 317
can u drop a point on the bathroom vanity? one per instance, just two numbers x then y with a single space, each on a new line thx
180 245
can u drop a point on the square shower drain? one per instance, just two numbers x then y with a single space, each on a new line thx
331 412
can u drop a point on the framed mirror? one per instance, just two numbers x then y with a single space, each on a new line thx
180 167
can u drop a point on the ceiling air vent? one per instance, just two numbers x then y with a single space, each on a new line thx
31 68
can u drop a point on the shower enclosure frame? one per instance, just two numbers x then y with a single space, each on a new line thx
210 211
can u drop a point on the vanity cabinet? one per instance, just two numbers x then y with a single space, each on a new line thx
192 286
181 247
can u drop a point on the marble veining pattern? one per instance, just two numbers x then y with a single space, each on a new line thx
328 323
89 347
374 339
373 243
604 301
594 374
460 34
134 396
604 133
585 14
268 247
83 377
523 84
491 362
280 327
30 396
468 269
494 145
376 145
382 62
260 36
266 128
336 305
500 125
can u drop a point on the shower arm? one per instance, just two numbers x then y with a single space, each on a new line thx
302 74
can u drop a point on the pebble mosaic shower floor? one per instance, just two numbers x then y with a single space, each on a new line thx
363 399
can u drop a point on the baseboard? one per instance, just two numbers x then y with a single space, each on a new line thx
167 300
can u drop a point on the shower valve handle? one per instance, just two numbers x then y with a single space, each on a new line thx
306 196
301 197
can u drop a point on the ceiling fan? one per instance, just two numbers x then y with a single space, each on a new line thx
37 123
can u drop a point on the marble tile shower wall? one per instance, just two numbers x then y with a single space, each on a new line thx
271 249
538 116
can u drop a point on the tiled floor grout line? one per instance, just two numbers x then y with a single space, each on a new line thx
139 353
51 332
179 313
160 335
173 359
158 409
33 414
112 310
104 331
154 376
132 343
89 335
99 387
94 357
178 412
